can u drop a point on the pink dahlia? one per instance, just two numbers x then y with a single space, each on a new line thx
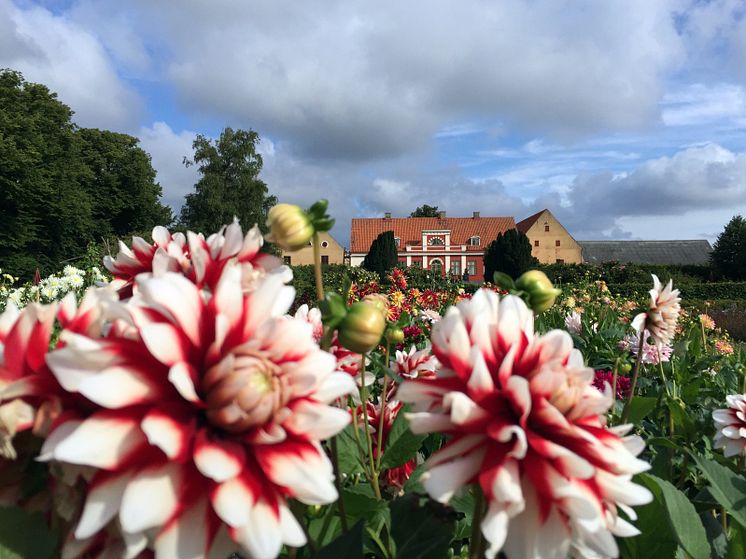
662 314
604 379
525 422
731 426
207 415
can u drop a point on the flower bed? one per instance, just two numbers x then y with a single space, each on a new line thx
192 408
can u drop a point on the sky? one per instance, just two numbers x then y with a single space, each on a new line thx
626 118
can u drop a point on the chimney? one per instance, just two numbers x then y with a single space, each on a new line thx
475 215
387 215
441 215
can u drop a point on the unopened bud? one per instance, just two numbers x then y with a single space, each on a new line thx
289 227
362 328
379 301
540 291
395 335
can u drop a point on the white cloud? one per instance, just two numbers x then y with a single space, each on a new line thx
69 60
167 150
702 104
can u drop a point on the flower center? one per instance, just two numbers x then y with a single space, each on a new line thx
244 390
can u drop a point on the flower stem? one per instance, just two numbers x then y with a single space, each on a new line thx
614 381
638 365
338 485
475 545
382 413
317 267
369 439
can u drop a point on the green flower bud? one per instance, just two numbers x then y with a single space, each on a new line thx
289 227
395 335
624 367
539 290
362 328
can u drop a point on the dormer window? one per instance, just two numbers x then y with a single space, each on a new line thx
436 241
397 242
474 241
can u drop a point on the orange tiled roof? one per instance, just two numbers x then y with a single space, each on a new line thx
525 225
409 229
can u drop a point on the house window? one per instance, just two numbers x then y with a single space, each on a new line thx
456 268
417 264
471 267
324 244
474 241
436 241
287 260
325 259
437 266
536 243
546 228
560 261
557 243
397 242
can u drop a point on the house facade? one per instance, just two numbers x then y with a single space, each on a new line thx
445 245
331 252
550 241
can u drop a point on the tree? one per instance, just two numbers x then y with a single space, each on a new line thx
382 255
121 183
425 211
728 256
229 184
44 210
509 253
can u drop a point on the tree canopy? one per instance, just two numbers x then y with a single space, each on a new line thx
229 184
62 187
728 256
425 211
382 255
509 253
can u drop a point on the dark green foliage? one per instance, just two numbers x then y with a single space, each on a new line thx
116 166
382 255
425 211
616 272
62 187
229 184
729 252
510 253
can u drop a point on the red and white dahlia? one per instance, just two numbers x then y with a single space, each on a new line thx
200 259
526 423
731 426
662 314
415 364
208 412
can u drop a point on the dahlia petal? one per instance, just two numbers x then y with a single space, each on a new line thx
524 540
317 421
176 297
185 537
228 296
134 545
292 533
164 342
151 498
118 387
261 536
724 417
232 501
495 528
222 545
160 235
516 320
426 422
456 447
442 481
463 409
102 504
104 440
334 386
480 382
308 476
506 487
169 430
220 460
57 436
271 299
180 375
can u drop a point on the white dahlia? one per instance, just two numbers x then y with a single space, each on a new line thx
662 314
525 422
731 426
206 414
414 364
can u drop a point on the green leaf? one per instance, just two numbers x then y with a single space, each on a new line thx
348 454
24 535
737 545
640 407
727 487
401 445
683 518
421 531
349 545
504 281
656 539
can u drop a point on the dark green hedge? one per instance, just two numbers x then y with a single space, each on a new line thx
617 273
731 290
